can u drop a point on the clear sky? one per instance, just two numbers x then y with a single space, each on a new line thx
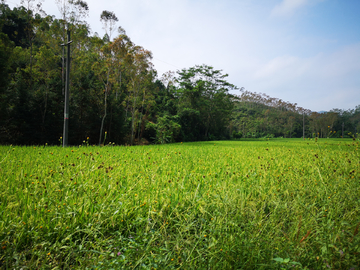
302 51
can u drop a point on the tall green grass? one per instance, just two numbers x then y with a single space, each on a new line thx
211 205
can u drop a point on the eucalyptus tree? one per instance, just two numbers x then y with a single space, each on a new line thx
141 73
102 67
105 68
109 20
32 7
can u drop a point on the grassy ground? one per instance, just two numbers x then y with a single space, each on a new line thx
273 204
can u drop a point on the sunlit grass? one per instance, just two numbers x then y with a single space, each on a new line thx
218 205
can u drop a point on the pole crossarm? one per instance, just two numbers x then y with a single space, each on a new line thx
67 43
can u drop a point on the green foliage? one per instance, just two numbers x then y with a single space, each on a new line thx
287 264
204 102
237 135
6 48
14 24
166 129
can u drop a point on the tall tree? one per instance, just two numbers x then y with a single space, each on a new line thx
205 102
109 20
140 72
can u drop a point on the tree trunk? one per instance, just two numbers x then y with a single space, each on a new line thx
133 114
103 119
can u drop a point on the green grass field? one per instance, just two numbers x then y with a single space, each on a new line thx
289 204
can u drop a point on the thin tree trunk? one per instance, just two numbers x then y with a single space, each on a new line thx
45 105
31 49
119 87
133 114
105 107
141 116
103 119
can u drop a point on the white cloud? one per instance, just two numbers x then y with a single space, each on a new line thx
288 7
277 66
320 82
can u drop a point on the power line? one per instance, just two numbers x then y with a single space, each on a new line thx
12 3
166 62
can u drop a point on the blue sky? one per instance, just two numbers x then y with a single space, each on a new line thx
302 51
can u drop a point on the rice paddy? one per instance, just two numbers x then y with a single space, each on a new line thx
270 204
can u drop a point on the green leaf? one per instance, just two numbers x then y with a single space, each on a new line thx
286 260
280 260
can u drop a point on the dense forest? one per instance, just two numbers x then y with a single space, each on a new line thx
116 95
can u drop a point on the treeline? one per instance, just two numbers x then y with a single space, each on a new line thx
257 115
116 95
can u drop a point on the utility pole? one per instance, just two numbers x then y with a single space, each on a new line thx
67 86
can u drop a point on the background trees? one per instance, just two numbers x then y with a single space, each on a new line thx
115 90
204 103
